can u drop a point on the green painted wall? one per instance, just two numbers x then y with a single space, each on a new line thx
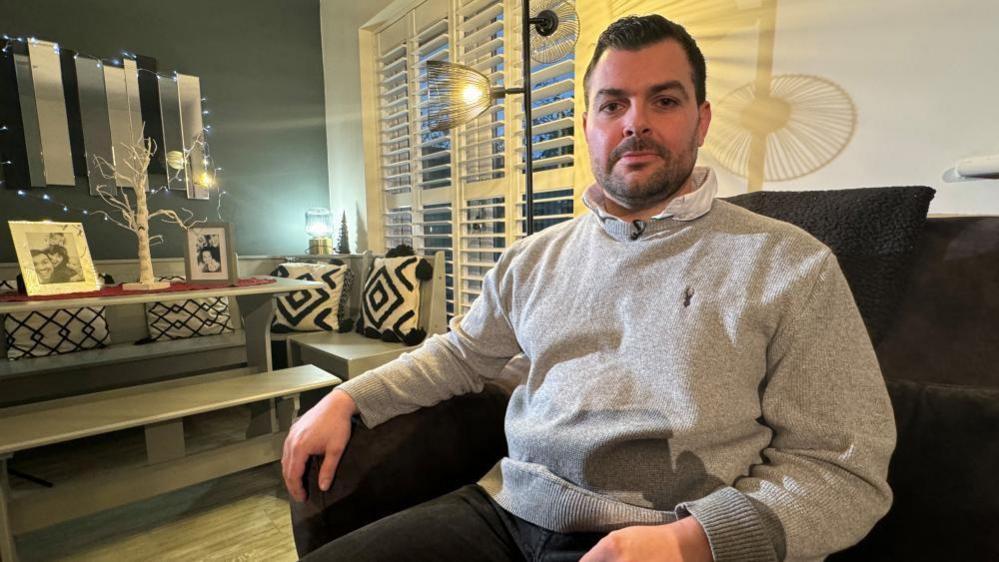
260 64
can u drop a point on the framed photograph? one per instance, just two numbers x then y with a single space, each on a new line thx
210 254
54 257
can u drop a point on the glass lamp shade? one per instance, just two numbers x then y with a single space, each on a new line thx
319 223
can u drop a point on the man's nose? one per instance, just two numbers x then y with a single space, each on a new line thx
637 123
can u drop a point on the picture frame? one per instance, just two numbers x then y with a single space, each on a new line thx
54 257
210 254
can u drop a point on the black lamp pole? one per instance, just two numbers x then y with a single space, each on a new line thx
528 139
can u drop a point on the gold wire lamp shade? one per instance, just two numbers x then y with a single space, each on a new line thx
458 94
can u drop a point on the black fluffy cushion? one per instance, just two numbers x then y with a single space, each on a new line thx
872 231
945 476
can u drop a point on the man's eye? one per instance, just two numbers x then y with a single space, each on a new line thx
667 102
610 107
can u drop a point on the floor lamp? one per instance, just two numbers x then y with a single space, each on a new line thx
458 93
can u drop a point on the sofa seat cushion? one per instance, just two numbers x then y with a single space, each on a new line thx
944 474
872 231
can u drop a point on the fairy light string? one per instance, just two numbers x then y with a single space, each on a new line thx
210 180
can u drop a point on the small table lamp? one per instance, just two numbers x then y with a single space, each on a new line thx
319 227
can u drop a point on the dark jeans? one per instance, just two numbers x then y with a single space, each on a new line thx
465 525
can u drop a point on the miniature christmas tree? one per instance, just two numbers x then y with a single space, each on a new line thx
343 241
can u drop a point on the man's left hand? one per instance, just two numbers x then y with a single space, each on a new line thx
682 541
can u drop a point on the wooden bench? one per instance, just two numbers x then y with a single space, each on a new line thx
349 354
160 408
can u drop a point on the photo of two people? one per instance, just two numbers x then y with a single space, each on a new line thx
55 261
209 254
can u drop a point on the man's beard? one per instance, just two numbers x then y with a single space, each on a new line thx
662 184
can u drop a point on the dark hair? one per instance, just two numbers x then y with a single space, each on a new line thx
213 251
632 33
61 250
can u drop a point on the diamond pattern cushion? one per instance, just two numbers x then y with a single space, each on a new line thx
175 320
314 309
391 300
53 332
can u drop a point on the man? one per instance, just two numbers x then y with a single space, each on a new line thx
43 266
701 384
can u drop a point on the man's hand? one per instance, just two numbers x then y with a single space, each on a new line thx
682 541
323 430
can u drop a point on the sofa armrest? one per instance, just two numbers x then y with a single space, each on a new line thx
401 463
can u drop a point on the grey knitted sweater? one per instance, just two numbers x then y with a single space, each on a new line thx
714 367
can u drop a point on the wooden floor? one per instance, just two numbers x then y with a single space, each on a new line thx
242 517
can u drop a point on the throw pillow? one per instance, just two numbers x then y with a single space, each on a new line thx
176 320
390 303
53 332
872 231
945 463
313 309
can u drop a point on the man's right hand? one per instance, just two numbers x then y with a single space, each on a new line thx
323 430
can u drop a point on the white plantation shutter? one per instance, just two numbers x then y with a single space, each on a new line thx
395 142
480 39
437 236
434 148
395 139
432 228
482 239
462 191
550 207
398 227
552 108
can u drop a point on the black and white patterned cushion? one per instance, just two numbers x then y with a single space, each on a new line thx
314 309
53 332
176 320
391 301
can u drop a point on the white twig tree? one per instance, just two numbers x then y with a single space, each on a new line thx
131 169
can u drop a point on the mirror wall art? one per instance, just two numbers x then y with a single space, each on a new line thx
61 111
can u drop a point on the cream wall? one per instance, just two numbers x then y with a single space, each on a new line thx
340 22
924 78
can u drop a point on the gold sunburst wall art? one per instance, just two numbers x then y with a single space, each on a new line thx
802 123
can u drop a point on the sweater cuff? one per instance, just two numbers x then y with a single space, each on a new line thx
372 398
734 528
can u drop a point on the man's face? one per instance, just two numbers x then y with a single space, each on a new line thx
43 267
643 125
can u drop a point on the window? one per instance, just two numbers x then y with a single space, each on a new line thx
462 191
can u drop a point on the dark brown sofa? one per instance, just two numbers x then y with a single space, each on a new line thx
939 352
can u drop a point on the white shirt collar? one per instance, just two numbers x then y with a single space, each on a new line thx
688 207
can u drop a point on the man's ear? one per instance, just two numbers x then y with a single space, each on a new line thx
585 113
704 121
